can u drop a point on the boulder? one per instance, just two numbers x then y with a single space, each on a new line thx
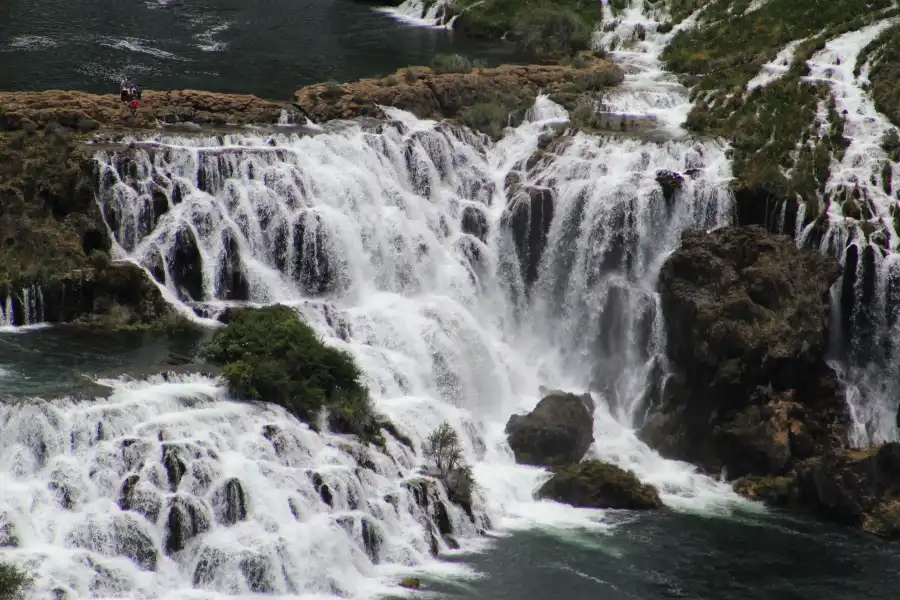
749 392
596 484
558 431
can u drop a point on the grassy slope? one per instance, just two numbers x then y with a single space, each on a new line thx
728 48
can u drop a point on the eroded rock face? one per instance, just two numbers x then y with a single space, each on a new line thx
86 112
858 488
596 484
558 431
425 93
747 326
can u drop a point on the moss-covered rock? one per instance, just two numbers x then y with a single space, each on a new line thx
269 354
857 488
596 484
558 431
746 317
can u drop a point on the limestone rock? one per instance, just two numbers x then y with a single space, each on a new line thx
596 484
746 317
558 431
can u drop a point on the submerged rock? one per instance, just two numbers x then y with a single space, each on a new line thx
558 431
746 317
596 484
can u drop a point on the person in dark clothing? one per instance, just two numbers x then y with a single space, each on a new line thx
124 92
138 90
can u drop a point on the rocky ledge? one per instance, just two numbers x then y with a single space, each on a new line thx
430 94
86 112
750 394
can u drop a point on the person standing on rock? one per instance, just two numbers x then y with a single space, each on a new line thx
135 104
124 91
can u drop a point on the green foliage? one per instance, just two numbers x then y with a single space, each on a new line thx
390 80
269 354
451 63
443 450
538 26
487 117
547 30
885 75
13 582
99 260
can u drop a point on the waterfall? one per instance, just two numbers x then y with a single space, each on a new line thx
22 311
860 231
463 276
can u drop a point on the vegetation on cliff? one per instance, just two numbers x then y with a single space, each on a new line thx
13 582
269 354
444 450
779 149
537 27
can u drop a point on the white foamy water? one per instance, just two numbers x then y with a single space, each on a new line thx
462 275
22 311
422 13
872 258
777 67
630 36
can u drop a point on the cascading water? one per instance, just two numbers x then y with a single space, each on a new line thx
867 299
22 311
462 275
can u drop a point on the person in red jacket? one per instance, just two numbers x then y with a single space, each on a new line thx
135 104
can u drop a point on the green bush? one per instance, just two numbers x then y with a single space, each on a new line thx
13 582
451 63
487 117
443 450
99 260
548 30
269 354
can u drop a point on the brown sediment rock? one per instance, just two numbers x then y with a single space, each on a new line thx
428 94
86 112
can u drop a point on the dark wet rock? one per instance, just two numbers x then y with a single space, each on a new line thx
746 317
596 484
187 266
856 488
230 502
474 222
558 431
528 216
671 183
186 520
259 573
120 535
231 282
174 465
322 488
316 266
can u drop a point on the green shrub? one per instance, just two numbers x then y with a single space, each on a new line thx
99 260
409 76
13 582
390 80
451 63
443 450
551 31
487 117
269 354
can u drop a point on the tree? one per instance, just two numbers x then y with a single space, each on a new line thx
13 581
443 449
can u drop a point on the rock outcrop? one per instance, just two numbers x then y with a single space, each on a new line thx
858 488
746 317
86 112
596 484
427 94
558 431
